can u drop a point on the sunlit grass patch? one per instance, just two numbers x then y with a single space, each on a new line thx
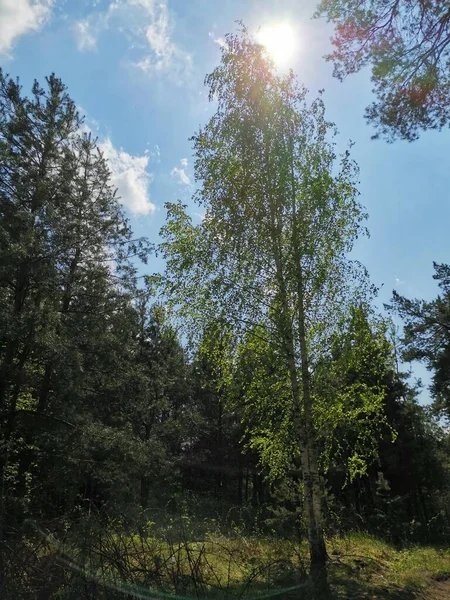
372 564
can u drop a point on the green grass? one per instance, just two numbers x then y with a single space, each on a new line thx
361 567
374 569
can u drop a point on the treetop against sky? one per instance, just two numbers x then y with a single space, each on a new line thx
136 68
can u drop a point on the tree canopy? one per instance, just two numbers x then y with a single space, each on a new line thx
427 335
407 45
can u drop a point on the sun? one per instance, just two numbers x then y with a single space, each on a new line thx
280 42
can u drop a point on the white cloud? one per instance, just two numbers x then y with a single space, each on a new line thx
165 55
129 174
398 281
86 39
18 17
154 154
220 41
149 25
181 175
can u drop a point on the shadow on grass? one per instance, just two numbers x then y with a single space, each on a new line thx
366 581
345 585
345 588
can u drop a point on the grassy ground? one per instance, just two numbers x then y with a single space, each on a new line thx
360 567
364 567
250 567
240 568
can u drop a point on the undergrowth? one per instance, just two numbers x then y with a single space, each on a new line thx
104 563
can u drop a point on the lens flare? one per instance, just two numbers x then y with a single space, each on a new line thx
280 41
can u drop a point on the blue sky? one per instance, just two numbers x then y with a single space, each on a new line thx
136 69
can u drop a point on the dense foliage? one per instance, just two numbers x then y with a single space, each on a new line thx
279 411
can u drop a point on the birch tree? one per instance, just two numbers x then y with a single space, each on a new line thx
281 215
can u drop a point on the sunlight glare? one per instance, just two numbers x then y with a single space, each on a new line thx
280 42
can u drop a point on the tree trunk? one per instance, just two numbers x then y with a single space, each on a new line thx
247 481
314 496
145 480
311 478
306 434
313 507
219 450
254 489
145 491
239 481
45 388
